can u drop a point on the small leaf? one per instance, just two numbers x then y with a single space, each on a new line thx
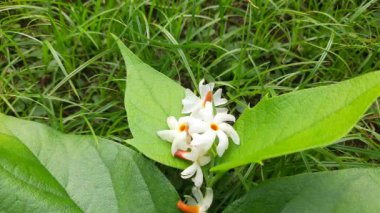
350 190
150 99
42 170
301 120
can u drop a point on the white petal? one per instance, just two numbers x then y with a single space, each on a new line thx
217 98
191 107
207 112
197 140
203 89
190 102
211 86
190 200
189 171
192 155
222 117
197 126
207 200
197 194
179 142
190 96
230 131
198 179
172 122
204 141
223 143
174 148
184 119
221 110
167 135
197 113
204 159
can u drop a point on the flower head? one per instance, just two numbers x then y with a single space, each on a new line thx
199 157
178 134
193 136
192 103
198 205
211 127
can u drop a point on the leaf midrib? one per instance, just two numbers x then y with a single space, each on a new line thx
60 184
23 182
45 168
148 89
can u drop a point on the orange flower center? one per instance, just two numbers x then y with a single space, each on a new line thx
187 208
208 98
183 127
214 126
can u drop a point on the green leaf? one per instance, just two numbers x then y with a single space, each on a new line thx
42 170
301 120
150 99
23 180
351 190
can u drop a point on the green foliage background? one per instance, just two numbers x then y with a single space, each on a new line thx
60 66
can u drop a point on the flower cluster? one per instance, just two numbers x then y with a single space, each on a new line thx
193 135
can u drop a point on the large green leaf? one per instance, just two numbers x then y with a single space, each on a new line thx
42 170
150 99
351 190
301 120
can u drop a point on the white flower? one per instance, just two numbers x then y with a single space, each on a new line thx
199 159
192 103
198 205
212 127
178 134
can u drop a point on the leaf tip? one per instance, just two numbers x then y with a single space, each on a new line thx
129 57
